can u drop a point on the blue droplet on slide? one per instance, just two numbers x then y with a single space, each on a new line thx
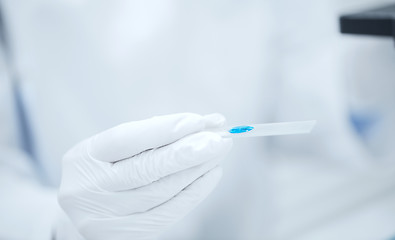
241 129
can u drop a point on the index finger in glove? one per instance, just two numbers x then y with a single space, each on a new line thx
150 166
132 138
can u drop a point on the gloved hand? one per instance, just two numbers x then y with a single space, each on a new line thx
135 180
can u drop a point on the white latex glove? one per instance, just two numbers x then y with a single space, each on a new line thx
135 180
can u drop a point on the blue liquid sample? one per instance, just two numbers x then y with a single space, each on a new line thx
241 129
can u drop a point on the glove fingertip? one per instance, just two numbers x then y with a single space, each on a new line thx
189 123
214 120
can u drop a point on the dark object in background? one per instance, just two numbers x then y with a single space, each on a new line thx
374 22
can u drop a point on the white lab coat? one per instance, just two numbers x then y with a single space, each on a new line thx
86 66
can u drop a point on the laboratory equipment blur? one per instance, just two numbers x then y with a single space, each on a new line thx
371 94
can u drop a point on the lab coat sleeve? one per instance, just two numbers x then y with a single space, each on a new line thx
28 210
